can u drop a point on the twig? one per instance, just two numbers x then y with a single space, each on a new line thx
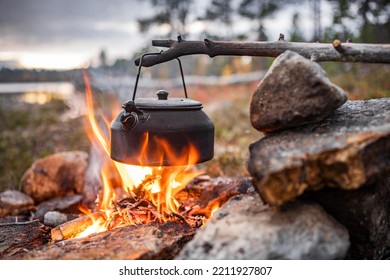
352 52
19 223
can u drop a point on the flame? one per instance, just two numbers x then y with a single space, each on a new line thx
214 207
157 185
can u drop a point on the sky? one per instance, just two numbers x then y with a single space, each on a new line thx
65 34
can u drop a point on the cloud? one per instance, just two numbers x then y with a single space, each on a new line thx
72 25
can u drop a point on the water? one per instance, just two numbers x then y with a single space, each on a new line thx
38 93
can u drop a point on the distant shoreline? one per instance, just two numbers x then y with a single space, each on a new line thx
61 88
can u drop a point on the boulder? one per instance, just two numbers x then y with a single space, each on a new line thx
365 212
246 228
295 91
55 175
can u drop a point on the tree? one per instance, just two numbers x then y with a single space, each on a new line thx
295 33
171 12
258 11
371 17
103 58
221 11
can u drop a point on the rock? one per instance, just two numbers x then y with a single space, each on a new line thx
55 175
245 228
295 91
365 213
68 204
347 150
15 203
54 218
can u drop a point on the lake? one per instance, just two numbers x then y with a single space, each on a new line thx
38 93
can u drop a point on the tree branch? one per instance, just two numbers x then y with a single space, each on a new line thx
342 52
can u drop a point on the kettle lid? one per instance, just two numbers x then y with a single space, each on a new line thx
162 102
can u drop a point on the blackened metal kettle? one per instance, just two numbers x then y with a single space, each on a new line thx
162 131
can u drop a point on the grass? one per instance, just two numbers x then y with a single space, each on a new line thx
32 131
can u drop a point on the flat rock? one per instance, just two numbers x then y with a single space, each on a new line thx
67 204
295 91
55 175
246 228
15 203
347 150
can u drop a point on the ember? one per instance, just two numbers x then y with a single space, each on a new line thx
147 194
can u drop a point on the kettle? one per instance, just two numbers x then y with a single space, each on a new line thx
161 131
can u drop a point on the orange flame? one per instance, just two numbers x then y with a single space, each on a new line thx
159 185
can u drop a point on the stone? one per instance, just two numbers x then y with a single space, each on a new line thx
54 218
14 203
365 212
295 91
246 228
347 150
67 204
55 176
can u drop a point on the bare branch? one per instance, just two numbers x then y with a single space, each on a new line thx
346 52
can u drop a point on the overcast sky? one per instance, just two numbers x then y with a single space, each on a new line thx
71 33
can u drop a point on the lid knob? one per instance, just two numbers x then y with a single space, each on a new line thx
162 94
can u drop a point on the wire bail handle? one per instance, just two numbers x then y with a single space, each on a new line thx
139 72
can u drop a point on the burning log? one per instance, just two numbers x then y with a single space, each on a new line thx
337 51
198 201
74 227
155 240
151 241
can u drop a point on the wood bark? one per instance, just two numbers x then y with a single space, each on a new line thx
21 236
151 241
336 51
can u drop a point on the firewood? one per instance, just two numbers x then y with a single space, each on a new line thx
73 228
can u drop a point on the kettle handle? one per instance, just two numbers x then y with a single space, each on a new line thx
139 72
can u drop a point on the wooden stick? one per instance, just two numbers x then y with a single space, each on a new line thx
337 51
19 223
72 228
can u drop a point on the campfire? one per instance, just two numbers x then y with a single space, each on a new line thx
311 175
145 193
